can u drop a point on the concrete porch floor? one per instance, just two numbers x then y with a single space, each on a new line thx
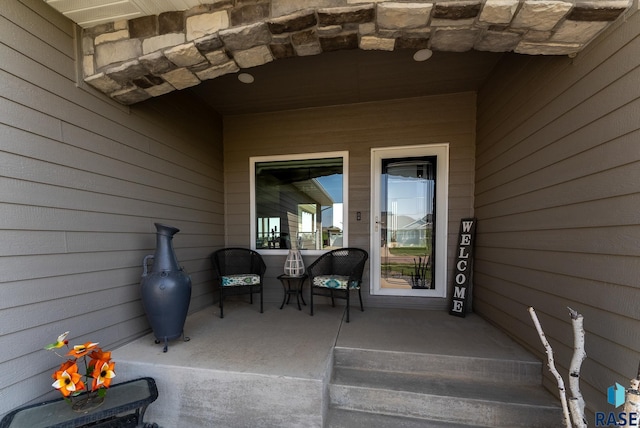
251 369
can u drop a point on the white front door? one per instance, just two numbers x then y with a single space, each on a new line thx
409 220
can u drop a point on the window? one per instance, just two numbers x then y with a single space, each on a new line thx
299 201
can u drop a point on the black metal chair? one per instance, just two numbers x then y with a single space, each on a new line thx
238 271
336 273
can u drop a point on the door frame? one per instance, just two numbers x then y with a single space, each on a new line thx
441 151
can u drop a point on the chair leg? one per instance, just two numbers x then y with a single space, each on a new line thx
261 299
311 298
347 304
360 296
333 302
221 302
251 295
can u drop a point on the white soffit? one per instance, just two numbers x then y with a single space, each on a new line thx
88 13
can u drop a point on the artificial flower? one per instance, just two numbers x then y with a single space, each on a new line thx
96 356
103 374
64 366
68 380
99 354
99 370
82 350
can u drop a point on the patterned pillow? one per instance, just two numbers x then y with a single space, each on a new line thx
240 279
335 281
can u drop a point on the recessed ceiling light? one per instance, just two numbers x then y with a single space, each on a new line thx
245 78
422 55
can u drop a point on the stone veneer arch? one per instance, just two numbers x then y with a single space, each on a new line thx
146 57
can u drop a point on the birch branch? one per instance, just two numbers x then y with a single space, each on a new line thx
552 367
576 412
632 402
576 403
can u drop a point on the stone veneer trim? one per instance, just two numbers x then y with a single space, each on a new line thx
150 56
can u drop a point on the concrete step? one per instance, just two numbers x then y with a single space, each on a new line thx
439 397
340 418
491 369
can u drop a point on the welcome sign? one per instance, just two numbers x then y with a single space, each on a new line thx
464 268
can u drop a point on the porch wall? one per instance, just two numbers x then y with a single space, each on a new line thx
557 200
82 181
356 128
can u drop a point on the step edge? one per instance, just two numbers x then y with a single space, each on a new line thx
343 375
410 418
509 414
506 370
534 379
436 396
338 349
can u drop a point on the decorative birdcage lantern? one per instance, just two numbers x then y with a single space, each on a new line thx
294 265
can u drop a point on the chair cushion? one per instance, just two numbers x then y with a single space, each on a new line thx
334 281
240 280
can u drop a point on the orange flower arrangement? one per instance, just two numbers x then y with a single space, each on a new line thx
99 369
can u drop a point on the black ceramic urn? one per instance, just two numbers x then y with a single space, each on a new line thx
166 289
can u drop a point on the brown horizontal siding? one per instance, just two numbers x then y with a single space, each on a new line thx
83 180
557 201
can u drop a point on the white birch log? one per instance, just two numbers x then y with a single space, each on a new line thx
632 404
576 411
576 402
552 367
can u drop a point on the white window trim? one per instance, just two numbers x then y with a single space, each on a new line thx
441 151
320 155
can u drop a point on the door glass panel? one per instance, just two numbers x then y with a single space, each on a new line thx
407 220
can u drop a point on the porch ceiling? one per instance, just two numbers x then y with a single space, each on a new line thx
138 49
345 77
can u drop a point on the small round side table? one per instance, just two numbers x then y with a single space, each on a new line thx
293 285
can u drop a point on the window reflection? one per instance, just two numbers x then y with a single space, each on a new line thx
299 204
408 238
